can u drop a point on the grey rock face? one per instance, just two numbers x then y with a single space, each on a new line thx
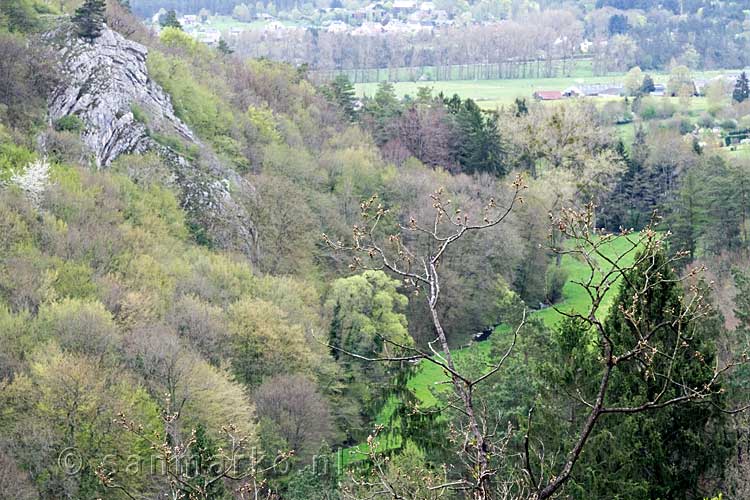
104 82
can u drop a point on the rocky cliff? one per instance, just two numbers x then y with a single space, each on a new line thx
107 86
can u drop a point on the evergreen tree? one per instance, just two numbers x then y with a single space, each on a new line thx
203 467
169 20
664 453
224 48
341 92
742 88
687 216
382 112
479 146
648 85
522 109
89 19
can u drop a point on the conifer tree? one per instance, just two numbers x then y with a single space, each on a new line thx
204 468
479 148
648 85
341 92
663 453
224 48
169 20
742 88
89 19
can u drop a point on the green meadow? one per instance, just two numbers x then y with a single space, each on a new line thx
430 379
491 94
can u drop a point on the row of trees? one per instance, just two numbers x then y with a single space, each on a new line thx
536 44
441 132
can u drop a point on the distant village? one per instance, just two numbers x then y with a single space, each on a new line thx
406 17
619 90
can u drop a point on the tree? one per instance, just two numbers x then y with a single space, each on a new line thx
169 20
680 78
262 340
89 19
479 146
648 85
693 439
224 48
300 414
742 88
634 81
341 92
618 24
642 349
203 467
19 15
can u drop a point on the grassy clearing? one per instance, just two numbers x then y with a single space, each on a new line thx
430 379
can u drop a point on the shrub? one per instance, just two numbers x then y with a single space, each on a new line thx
138 114
729 124
706 121
69 123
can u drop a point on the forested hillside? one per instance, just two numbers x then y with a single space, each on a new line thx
220 279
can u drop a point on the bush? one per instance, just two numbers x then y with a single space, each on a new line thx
685 126
729 124
138 114
69 123
706 121
64 147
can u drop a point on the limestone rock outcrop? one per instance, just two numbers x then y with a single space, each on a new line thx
107 86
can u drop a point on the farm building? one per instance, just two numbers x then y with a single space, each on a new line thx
548 95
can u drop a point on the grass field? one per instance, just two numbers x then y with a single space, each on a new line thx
430 379
491 94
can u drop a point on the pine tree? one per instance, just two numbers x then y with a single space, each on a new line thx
742 88
169 20
89 19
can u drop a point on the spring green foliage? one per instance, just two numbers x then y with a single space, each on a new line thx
18 15
367 311
69 123
110 301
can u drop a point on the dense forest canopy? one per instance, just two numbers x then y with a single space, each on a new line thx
222 278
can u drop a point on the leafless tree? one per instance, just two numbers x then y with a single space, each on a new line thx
481 447
300 412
